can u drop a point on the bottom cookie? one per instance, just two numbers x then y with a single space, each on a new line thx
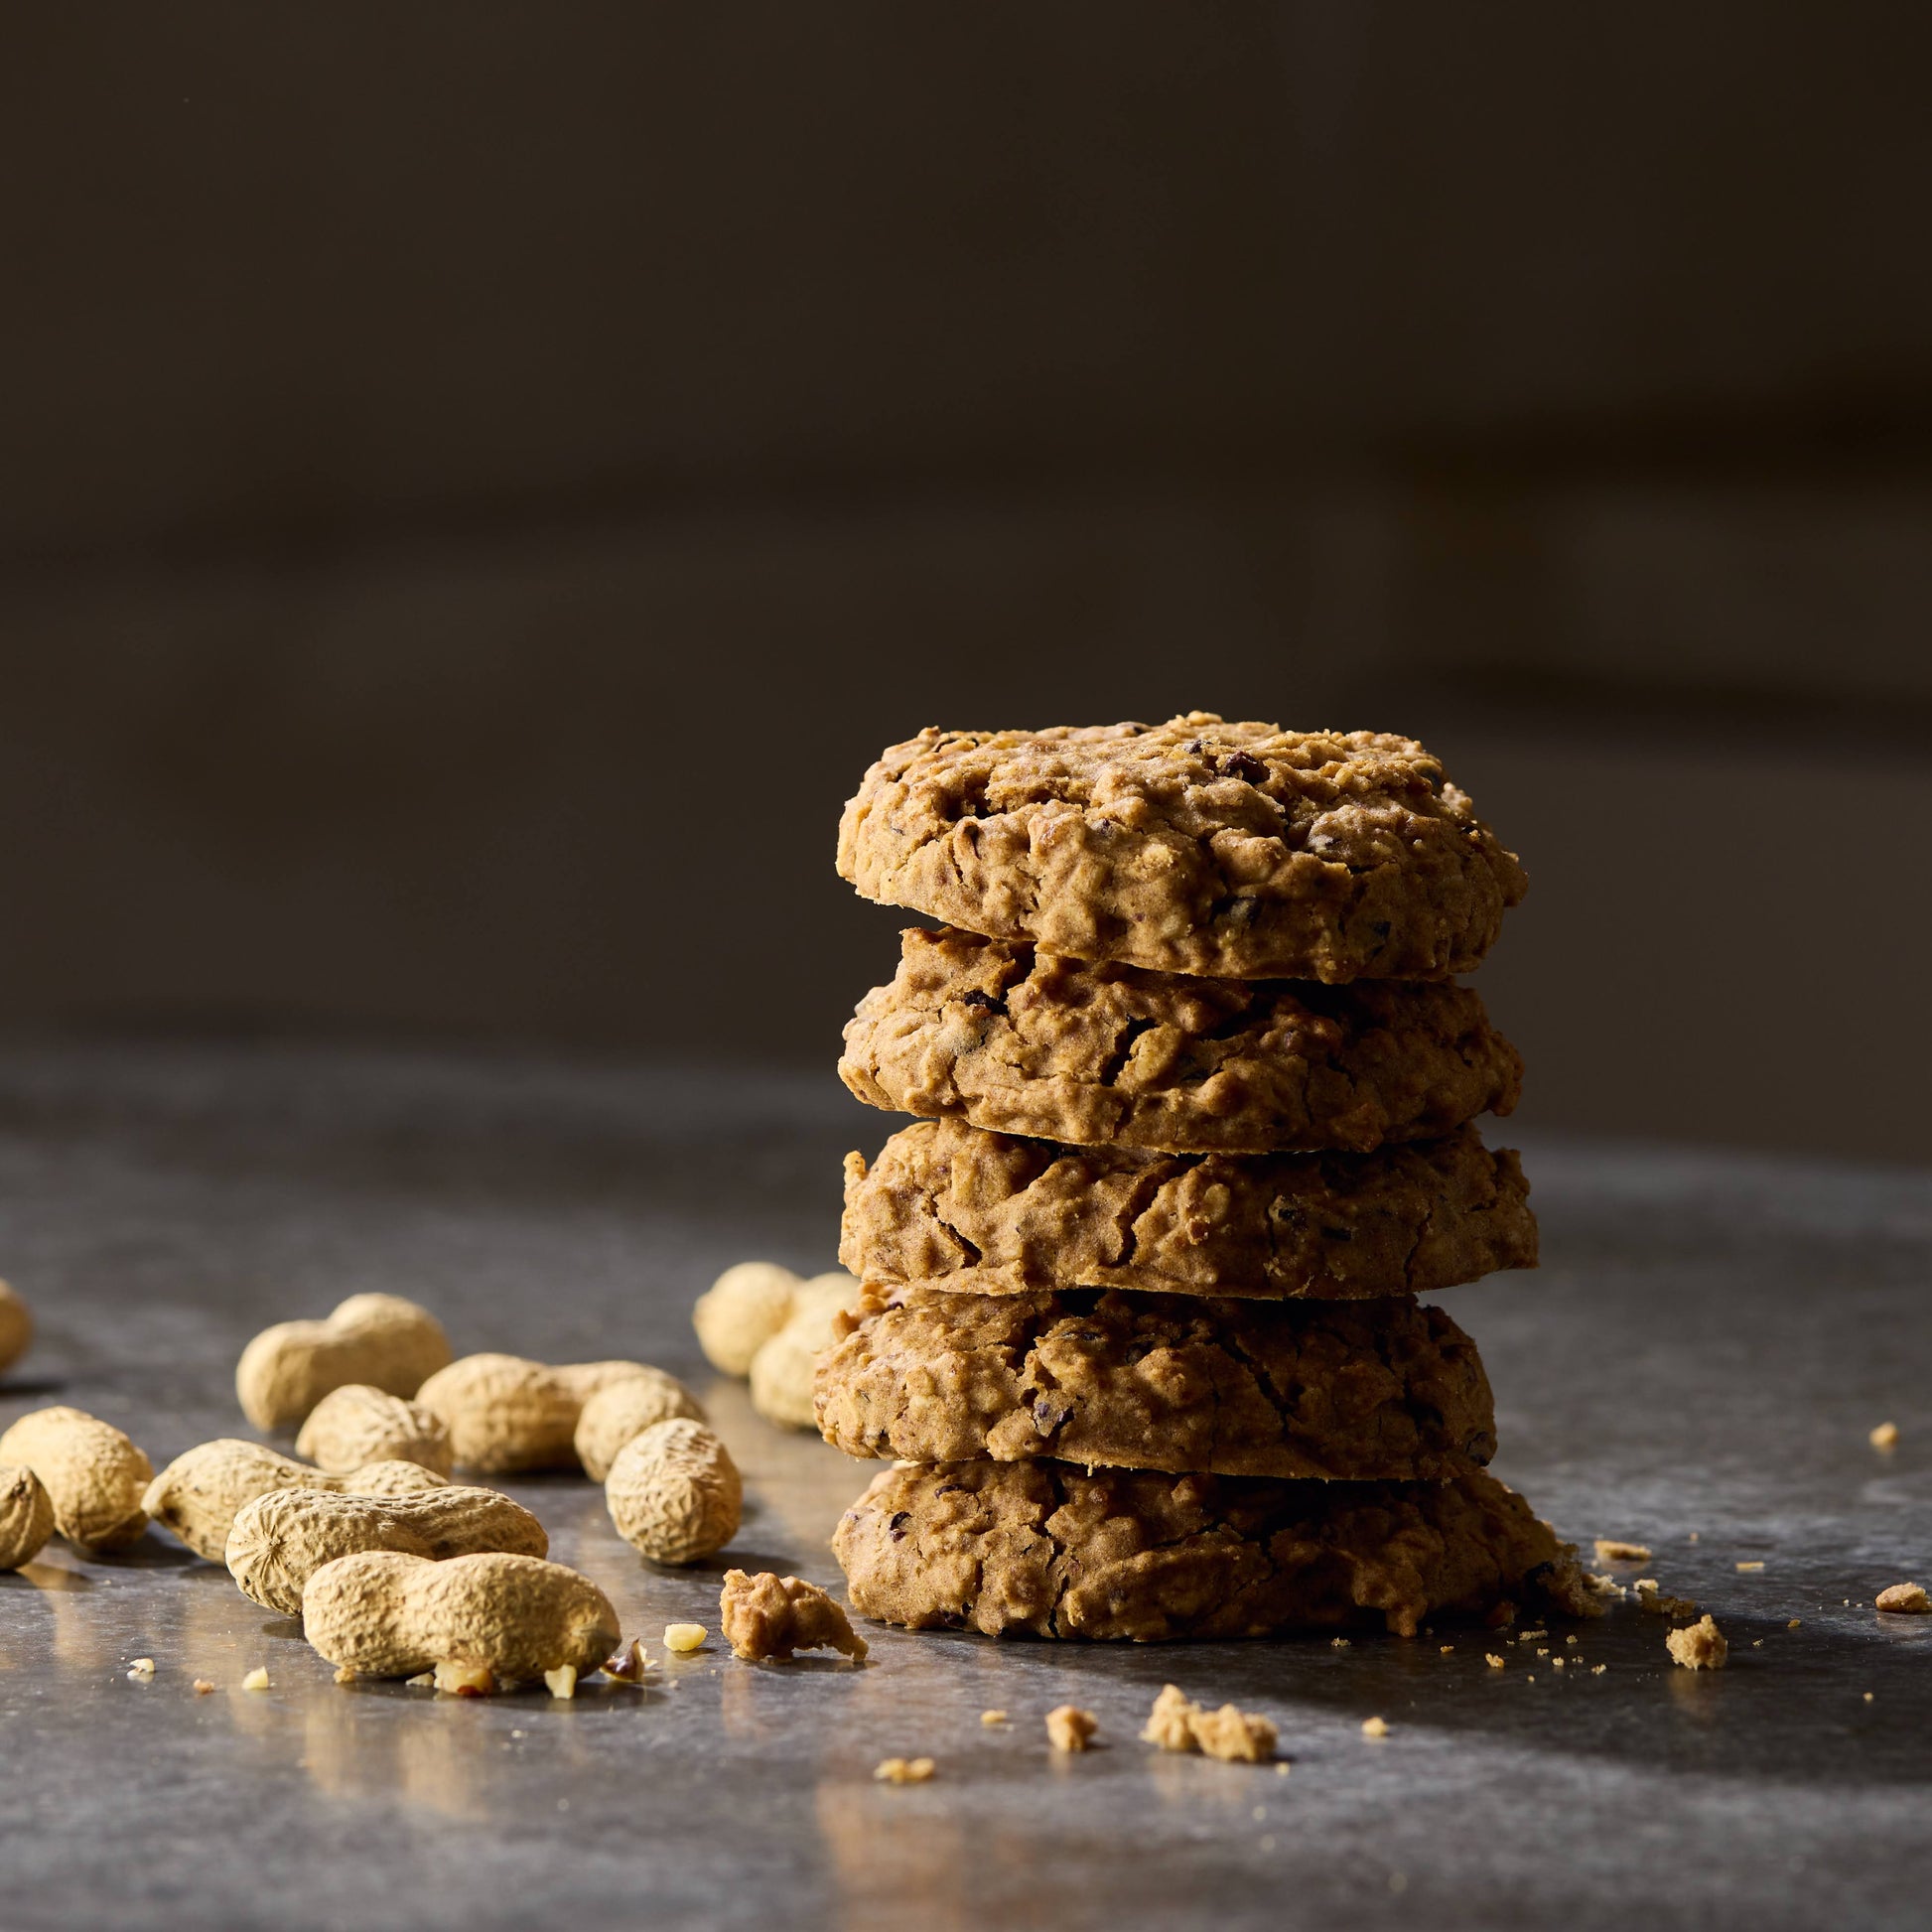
1043 1548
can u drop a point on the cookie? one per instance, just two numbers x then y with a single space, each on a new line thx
1338 1390
1043 1548
947 1205
1237 850
1001 1034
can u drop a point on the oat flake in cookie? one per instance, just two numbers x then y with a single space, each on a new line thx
1044 1550
947 1205
998 1033
1343 1391
1237 850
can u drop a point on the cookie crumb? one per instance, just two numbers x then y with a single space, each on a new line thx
203 1686
1447 1650
1281 1767
1794 1623
1069 1729
1868 1697
775 1616
1886 1436
1613 1549
1376 1727
1653 1602
1177 1723
990 1717
256 1679
904 1770
1529 1637
1490 1658
1754 1564
1700 1647
1337 1643
1598 1670
1905 1599
685 1637
1559 1661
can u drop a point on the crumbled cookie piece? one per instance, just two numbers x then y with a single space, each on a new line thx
1701 1646
203 1687
774 1616
1490 1658
1069 1729
1653 1602
1886 1436
1612 1549
904 1770
1376 1727
1177 1723
1905 1599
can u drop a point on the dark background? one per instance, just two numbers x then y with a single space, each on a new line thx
480 483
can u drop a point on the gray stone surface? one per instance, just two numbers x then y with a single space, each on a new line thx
1701 1358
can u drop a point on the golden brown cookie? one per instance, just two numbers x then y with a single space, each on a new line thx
948 1205
1238 850
1341 1390
1008 1038
1043 1548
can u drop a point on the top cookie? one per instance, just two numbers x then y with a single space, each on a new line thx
1232 850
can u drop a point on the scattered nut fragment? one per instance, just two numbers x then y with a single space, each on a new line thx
507 1414
1701 1646
16 1326
1603 1586
1069 1729
424 1680
203 1686
1598 1670
1375 1727
26 1517
1449 1649
1756 1564
685 1637
94 1475
904 1770
380 1339
1794 1623
1613 1549
141 1669
1490 1658
465 1680
345 1676
781 1370
774 1616
201 1493
256 1679
623 1410
991 1718
1177 1723
741 1311
1905 1599
674 1492
628 1664
561 1683
1337 1643
1886 1436
357 1425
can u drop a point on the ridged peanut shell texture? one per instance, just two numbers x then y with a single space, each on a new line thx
26 1517
385 1615
280 1540
16 1326
201 1493
505 1413
380 1339
616 1415
674 1492
357 1425
95 1475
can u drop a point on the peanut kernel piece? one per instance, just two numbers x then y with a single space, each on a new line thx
1376 1727
203 1686
140 1669
1754 1564
992 1718
562 1682
463 1680
685 1637
1886 1436
904 1770
256 1679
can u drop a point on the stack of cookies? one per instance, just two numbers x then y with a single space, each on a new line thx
1195 1092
